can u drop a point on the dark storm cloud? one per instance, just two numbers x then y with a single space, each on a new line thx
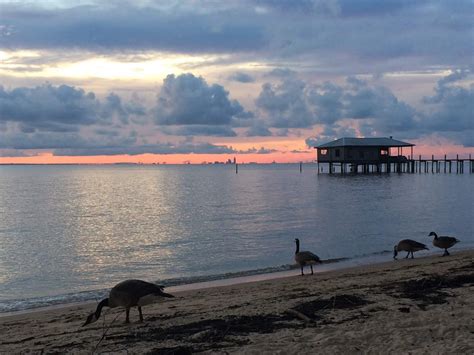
128 27
189 100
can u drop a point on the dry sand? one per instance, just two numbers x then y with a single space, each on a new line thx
424 305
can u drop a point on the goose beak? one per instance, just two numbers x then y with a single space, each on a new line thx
90 319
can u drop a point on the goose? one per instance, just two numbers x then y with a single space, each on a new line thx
443 242
304 258
127 294
409 246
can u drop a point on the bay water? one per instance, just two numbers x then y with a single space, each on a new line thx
70 232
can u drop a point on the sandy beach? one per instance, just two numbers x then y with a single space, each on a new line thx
421 305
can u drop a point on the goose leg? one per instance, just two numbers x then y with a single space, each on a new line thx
446 252
302 273
141 314
311 269
408 254
127 313
412 255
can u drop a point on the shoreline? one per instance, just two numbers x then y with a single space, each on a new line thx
232 278
248 276
418 305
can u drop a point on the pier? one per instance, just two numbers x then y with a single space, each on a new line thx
374 155
419 165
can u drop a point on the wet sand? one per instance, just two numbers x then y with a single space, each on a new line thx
421 305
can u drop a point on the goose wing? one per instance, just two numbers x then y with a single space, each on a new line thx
131 291
414 244
306 256
448 240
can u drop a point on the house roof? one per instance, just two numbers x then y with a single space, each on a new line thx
365 142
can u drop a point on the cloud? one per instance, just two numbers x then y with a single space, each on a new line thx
387 112
72 121
254 150
285 105
330 133
48 107
443 89
188 100
366 8
453 105
312 142
327 99
297 104
62 108
44 140
199 130
378 112
258 129
48 104
327 7
122 26
12 153
114 108
104 143
281 73
343 36
242 77
162 148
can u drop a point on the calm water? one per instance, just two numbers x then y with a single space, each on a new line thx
69 232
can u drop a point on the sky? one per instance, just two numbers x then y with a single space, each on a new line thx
146 81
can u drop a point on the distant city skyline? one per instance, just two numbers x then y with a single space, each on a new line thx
259 80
